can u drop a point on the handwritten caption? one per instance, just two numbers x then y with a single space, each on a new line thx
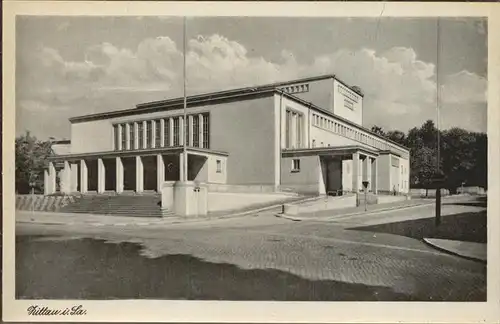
36 310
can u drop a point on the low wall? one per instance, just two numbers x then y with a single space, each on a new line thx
225 201
43 203
430 192
321 204
217 187
306 189
386 199
471 190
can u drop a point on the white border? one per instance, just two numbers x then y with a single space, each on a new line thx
291 312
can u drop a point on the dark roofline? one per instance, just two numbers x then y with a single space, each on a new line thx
331 114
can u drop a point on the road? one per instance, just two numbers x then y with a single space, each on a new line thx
256 257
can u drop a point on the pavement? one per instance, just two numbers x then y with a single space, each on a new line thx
345 218
319 253
469 250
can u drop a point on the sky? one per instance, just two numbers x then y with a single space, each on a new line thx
73 66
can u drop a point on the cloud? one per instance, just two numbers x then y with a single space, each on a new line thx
399 88
464 87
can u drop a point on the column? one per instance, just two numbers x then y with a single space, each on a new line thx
139 174
368 172
355 172
191 130
181 167
136 136
50 179
374 176
364 169
101 176
66 179
127 136
181 131
171 131
200 142
160 172
119 175
162 133
46 182
84 176
74 177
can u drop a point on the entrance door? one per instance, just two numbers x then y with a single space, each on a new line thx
334 177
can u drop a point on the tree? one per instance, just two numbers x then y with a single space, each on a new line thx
31 158
458 152
397 136
423 167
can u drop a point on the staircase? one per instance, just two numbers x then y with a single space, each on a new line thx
148 205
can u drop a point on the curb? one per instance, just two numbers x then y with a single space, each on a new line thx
426 241
165 221
334 218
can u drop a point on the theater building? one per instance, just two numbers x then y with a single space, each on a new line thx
304 136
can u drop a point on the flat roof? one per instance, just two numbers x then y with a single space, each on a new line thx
329 150
131 153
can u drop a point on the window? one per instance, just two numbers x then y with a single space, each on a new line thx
116 135
295 165
219 166
288 123
206 131
149 128
140 135
166 132
313 143
299 131
196 131
131 138
157 133
124 137
187 130
176 131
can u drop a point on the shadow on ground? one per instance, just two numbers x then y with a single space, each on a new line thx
469 227
90 269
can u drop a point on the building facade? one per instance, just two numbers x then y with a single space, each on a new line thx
304 136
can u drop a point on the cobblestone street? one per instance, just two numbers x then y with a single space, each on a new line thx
313 251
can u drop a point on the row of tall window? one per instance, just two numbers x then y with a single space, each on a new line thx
294 124
338 128
148 134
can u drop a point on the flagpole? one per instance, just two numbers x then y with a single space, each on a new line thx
185 156
438 99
